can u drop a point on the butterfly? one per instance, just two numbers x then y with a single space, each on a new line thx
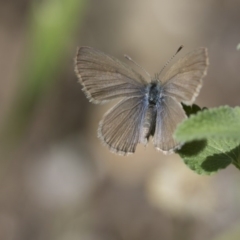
147 108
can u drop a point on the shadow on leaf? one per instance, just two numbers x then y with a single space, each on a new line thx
192 148
201 156
220 161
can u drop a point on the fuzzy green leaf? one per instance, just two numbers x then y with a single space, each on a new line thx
222 122
212 139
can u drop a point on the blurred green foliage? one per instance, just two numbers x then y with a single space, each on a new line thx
238 46
231 234
52 24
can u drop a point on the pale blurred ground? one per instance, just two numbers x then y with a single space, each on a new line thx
59 182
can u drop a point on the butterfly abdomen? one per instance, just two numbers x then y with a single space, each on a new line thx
149 123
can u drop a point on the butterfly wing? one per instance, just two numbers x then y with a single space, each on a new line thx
180 84
184 79
122 126
104 77
169 114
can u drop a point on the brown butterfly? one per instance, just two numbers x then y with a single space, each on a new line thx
147 107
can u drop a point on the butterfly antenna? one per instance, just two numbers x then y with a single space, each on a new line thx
179 49
130 59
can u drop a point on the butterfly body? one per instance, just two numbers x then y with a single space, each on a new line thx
153 98
154 92
147 108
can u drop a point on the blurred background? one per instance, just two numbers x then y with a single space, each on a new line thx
57 181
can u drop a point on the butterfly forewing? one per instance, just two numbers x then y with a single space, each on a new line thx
104 77
169 114
184 79
122 125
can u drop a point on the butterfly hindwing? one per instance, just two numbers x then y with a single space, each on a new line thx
122 125
169 114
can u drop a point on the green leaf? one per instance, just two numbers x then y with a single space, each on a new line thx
209 156
212 139
222 122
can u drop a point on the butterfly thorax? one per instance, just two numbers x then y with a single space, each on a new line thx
154 93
